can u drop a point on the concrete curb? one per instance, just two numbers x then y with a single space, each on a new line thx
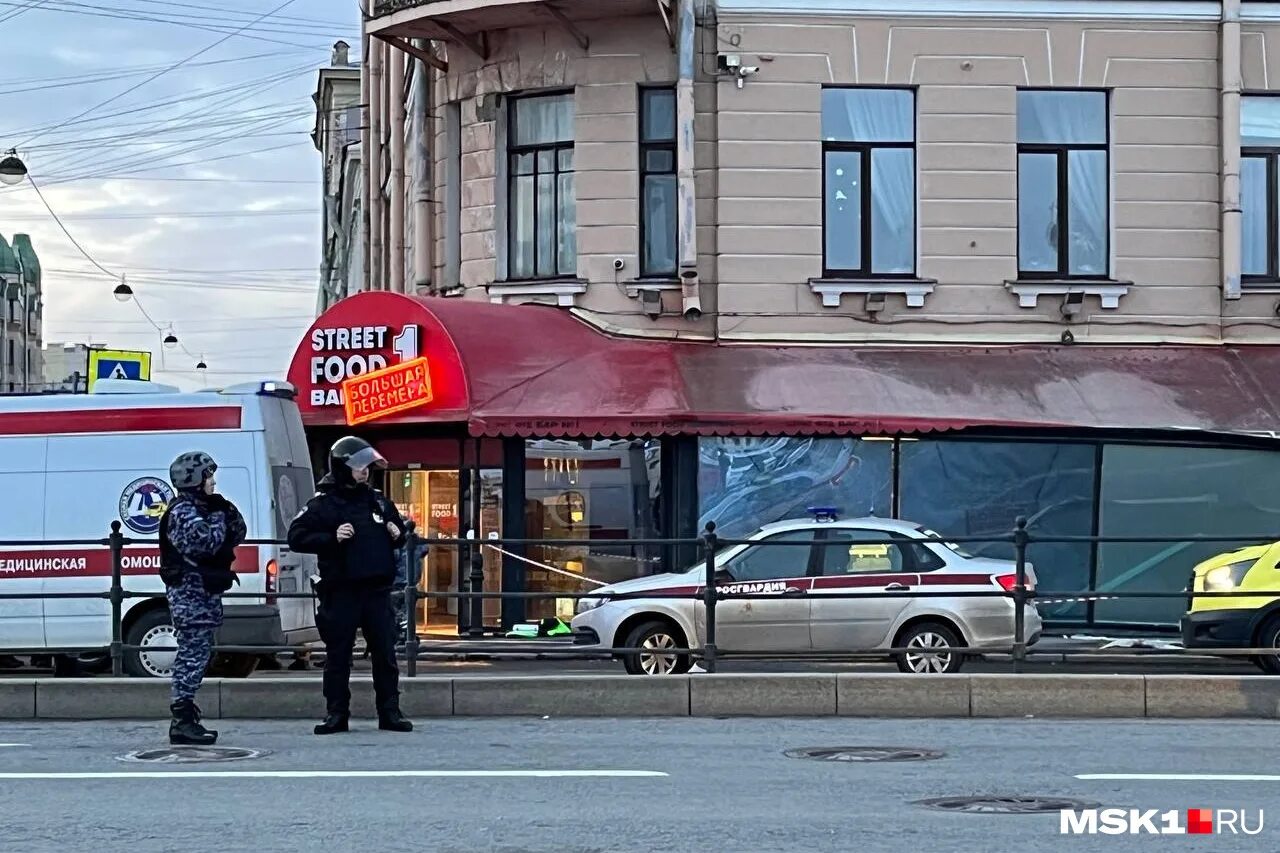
729 695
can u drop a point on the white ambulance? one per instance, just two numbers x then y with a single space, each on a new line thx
70 465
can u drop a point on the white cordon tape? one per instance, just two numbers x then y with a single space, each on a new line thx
536 564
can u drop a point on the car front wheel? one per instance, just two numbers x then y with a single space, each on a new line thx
1269 638
923 641
656 639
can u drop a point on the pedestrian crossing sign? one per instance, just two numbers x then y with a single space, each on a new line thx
118 364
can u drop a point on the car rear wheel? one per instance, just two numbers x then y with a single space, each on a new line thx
657 639
153 632
1269 638
923 640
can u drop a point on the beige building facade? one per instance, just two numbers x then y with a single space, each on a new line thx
958 262
982 170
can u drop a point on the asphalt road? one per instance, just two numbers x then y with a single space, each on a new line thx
721 785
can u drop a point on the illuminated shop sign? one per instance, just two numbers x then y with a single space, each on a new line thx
379 393
341 353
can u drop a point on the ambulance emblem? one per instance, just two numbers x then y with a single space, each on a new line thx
142 504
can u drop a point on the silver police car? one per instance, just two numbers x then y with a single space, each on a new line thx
806 562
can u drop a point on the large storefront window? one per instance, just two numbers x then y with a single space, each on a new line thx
1150 491
980 488
602 491
746 482
430 500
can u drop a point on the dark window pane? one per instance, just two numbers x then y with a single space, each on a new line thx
893 210
1037 212
546 235
564 159
523 164
967 488
1253 202
868 115
842 200
658 115
659 160
768 560
659 201
546 161
1087 212
1177 492
522 225
566 226
543 119
1260 121
1061 117
746 482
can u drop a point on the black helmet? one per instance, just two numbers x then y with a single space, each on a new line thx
350 453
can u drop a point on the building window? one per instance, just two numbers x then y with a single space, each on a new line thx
542 218
869 182
1062 184
1259 149
657 182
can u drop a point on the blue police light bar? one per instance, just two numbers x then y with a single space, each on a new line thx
824 513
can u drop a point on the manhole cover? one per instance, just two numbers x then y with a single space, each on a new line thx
864 753
1005 805
193 754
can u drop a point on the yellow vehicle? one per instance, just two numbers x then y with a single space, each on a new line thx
1241 621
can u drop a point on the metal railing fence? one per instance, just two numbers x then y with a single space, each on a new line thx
710 592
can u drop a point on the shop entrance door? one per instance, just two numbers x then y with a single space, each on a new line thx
430 499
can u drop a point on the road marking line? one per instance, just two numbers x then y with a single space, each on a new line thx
1182 777
342 774
3 745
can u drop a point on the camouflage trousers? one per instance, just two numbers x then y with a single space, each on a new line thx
197 615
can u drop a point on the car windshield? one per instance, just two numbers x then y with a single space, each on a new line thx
951 546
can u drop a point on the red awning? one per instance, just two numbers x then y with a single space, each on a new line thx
538 371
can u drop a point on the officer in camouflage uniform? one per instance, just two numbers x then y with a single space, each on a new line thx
199 533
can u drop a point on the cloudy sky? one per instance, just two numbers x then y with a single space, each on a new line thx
200 186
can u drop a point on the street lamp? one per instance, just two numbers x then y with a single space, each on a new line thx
170 340
200 365
12 169
123 292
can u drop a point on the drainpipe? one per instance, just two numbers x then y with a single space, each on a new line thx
366 149
1231 215
422 175
373 168
395 188
686 188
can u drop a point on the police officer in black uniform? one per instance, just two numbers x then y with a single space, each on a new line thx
354 531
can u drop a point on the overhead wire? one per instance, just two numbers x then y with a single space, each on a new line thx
201 95
41 84
223 20
119 277
181 214
22 10
162 72
246 33
191 117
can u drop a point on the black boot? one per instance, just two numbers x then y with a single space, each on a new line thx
333 724
185 728
394 721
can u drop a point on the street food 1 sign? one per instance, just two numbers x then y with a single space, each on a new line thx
344 352
384 392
